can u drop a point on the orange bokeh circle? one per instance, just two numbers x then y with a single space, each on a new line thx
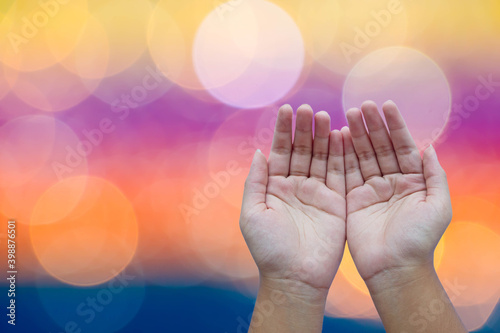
94 241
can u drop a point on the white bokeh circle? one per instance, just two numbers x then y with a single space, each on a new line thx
412 80
250 56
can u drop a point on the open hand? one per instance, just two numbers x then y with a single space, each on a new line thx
294 210
398 205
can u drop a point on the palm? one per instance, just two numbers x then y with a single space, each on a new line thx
302 233
382 227
393 220
298 232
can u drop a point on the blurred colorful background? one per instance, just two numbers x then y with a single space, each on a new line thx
127 129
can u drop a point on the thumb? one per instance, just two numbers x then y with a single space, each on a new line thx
435 178
256 184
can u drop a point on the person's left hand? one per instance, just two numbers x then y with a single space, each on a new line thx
398 204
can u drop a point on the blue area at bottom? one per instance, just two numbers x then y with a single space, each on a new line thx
157 309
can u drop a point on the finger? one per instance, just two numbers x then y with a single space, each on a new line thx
281 149
302 142
335 178
362 145
254 195
435 177
406 150
381 141
353 176
320 146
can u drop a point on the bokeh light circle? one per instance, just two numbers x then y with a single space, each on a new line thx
232 148
469 271
93 242
52 89
357 27
215 236
477 209
471 248
125 25
65 26
171 32
138 85
318 21
409 78
250 56
7 77
64 160
25 145
90 57
40 34
172 260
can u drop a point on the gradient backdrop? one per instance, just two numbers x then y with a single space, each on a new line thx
127 129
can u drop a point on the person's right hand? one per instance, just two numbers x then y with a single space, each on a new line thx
398 205
293 212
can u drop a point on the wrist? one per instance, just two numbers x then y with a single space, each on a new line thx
412 298
397 278
292 292
288 306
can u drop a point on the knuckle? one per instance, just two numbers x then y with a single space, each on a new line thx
366 155
281 150
384 150
302 149
406 150
322 156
